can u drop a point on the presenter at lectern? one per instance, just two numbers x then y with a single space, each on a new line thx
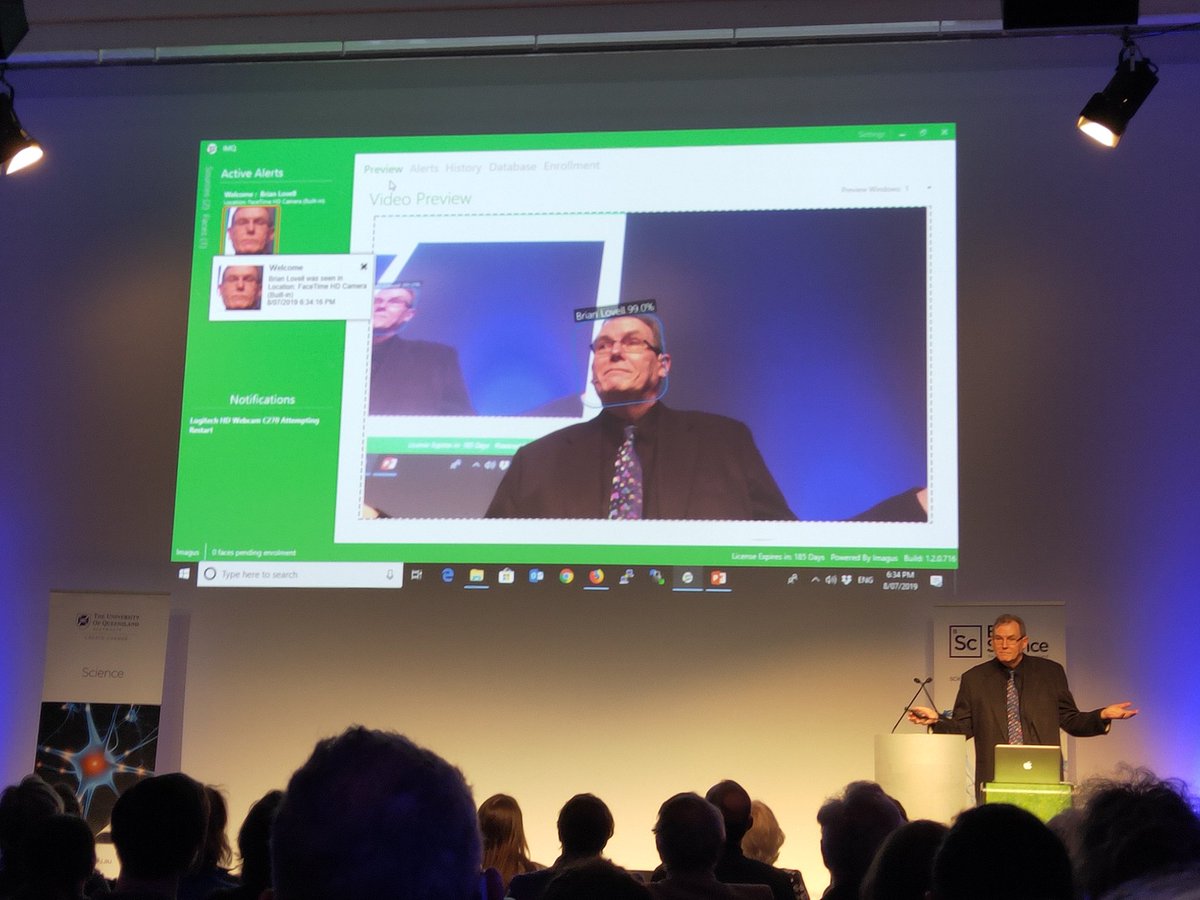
1015 699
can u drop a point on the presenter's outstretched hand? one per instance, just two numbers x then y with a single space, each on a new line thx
922 715
1118 711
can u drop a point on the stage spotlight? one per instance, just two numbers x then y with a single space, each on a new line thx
1107 114
17 149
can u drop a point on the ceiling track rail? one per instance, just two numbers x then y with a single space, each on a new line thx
552 44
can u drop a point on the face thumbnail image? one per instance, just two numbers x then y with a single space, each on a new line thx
250 229
240 287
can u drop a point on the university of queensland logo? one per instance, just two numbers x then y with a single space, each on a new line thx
966 641
83 620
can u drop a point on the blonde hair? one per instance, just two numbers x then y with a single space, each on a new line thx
503 829
765 837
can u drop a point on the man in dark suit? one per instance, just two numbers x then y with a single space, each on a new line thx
1043 702
690 835
638 458
584 826
734 866
411 377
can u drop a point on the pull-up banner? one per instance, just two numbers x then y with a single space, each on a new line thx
101 696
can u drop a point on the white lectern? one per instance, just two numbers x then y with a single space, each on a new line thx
927 773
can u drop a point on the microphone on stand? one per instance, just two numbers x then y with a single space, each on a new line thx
921 686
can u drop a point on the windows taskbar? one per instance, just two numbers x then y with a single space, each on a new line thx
442 577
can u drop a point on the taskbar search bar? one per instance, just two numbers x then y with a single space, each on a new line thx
299 574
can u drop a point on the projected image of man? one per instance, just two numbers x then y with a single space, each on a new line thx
240 287
639 458
252 229
411 377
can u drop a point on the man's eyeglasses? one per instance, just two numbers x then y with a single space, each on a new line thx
628 344
393 301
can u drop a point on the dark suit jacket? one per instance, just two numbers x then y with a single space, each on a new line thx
531 885
705 467
735 867
694 887
980 710
417 378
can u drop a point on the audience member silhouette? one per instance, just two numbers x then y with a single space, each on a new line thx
690 836
503 830
1136 827
997 852
585 824
96 882
731 799
1067 826
22 807
763 840
158 830
903 865
60 856
211 871
852 828
373 815
254 849
594 879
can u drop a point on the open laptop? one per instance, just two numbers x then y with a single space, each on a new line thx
1028 763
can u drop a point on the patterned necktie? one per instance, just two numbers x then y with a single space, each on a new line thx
1014 710
625 501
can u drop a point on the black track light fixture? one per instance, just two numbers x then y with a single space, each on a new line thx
17 149
1107 114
